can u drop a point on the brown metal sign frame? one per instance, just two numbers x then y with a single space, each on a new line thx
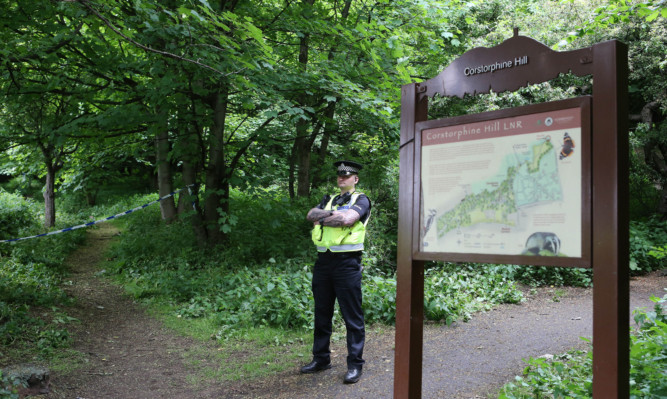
515 63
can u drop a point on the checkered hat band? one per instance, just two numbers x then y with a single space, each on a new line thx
345 168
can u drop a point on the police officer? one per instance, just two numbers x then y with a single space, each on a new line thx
339 230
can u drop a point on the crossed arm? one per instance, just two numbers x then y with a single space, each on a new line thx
333 218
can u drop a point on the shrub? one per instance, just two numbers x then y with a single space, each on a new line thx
537 276
647 240
16 215
647 353
262 297
379 298
455 291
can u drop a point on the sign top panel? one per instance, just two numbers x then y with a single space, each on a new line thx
524 124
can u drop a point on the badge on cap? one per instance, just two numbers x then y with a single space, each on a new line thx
345 168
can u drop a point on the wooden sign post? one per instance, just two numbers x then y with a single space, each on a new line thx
452 209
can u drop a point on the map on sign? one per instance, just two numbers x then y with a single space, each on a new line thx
510 186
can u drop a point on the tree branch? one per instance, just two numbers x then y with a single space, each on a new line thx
167 54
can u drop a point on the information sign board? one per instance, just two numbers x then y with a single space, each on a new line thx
509 186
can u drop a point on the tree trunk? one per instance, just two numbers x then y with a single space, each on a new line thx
322 172
184 198
292 170
188 201
53 165
302 146
164 175
216 204
50 197
655 154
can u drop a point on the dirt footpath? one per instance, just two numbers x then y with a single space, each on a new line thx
129 354
132 356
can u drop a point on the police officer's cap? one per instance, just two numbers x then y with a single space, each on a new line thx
346 168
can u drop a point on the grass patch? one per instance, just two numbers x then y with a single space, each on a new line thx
232 354
67 361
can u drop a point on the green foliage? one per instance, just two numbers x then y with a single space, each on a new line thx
647 352
24 185
270 219
262 297
645 173
380 248
455 291
379 298
31 273
565 376
17 215
647 240
22 288
537 276
239 285
614 12
570 375
52 338
7 387
29 283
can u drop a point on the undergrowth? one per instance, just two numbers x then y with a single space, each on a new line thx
32 319
252 282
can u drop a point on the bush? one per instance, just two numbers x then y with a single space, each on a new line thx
455 291
29 283
647 353
537 276
379 298
647 240
16 216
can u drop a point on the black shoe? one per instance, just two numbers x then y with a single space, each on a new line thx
352 376
314 367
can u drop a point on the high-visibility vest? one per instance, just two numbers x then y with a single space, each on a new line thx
340 239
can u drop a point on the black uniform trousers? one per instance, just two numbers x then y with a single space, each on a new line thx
337 276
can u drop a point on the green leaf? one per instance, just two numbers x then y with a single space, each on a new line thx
254 31
653 16
196 14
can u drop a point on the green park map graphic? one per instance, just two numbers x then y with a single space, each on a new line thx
526 178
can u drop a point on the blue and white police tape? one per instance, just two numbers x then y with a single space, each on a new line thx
105 219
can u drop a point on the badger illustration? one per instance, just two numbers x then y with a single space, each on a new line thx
541 241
